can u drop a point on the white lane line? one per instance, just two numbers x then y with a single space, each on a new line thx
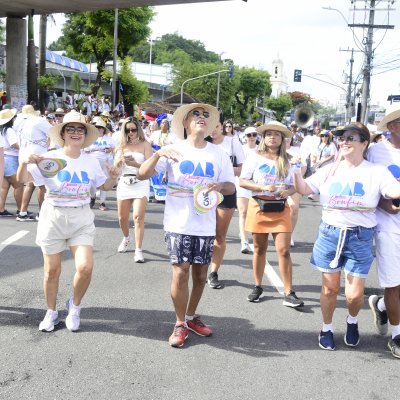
274 278
12 239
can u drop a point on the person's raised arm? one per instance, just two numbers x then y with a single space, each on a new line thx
147 169
300 184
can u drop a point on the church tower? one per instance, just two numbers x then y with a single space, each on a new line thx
278 78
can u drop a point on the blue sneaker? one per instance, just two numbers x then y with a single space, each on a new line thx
325 340
352 337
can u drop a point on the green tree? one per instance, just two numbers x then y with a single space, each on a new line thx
89 36
280 105
2 32
133 91
47 81
250 84
166 48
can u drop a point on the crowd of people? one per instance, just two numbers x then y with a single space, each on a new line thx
203 170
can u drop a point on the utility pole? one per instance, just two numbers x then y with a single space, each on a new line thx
368 52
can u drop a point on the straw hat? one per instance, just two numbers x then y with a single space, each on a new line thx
181 113
7 115
28 111
73 116
388 118
250 129
98 121
105 114
59 111
275 126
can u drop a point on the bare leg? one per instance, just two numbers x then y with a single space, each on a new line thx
282 245
52 271
124 209
4 193
260 241
139 209
199 277
83 256
392 302
242 204
180 289
26 196
224 217
329 291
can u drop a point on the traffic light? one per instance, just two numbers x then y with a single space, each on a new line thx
230 72
297 75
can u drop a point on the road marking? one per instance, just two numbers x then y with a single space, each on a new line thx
274 278
12 239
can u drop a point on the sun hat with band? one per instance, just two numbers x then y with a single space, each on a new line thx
28 111
275 126
356 127
98 121
181 113
388 118
7 115
73 116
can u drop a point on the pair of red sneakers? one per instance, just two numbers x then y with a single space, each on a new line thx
181 331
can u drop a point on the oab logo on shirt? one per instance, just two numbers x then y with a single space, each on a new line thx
65 176
189 168
395 170
339 189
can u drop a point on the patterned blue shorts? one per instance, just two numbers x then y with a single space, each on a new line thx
189 249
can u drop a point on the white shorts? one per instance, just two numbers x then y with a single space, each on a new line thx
62 227
388 258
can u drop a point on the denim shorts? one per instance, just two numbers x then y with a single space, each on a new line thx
189 249
348 249
10 165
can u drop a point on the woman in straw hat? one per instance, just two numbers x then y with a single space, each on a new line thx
11 150
103 150
268 175
349 191
387 237
66 219
197 172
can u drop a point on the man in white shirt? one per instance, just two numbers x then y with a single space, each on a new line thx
197 171
387 237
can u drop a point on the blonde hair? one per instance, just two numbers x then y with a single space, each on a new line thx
282 161
124 135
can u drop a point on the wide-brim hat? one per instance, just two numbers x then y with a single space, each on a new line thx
98 121
181 113
28 111
73 116
388 118
105 114
250 129
275 126
7 115
59 111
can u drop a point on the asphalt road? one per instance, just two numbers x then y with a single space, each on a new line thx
261 351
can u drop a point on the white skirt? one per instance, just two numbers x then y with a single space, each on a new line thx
136 190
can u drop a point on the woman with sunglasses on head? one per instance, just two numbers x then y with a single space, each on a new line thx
65 217
349 190
103 150
243 195
269 176
130 154
225 210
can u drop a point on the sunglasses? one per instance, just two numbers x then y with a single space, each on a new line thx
251 134
196 113
79 130
228 126
59 115
127 130
351 138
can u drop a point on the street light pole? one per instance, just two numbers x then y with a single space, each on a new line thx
114 74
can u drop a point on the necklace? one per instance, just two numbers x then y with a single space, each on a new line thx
133 141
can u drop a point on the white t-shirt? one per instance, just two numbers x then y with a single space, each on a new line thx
232 147
385 154
162 139
262 171
309 145
71 186
349 196
10 137
33 134
97 149
197 166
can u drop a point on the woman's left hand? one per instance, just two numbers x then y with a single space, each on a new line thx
113 171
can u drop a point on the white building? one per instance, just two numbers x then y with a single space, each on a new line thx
278 78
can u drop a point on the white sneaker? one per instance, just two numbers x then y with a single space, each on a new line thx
139 256
73 319
291 243
245 248
49 321
123 247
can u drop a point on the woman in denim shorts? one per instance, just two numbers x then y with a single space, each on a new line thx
349 191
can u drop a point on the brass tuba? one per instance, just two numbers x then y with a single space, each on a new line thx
304 117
